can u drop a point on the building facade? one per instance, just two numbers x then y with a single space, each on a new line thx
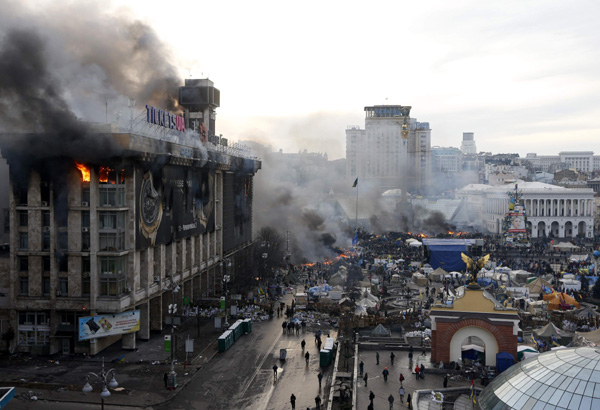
552 211
114 230
383 153
468 146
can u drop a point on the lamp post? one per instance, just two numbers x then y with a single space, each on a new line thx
226 278
103 377
174 288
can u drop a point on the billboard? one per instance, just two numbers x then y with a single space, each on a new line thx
93 327
173 202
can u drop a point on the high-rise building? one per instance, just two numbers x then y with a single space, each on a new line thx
392 146
109 222
468 144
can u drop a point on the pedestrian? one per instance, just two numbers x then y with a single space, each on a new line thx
166 378
320 377
424 351
417 370
422 372
401 378
366 378
293 401
392 355
319 344
302 343
391 400
385 373
377 357
275 372
318 402
409 401
361 367
371 396
401 394
445 381
307 356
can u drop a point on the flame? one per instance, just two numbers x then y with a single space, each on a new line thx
451 233
104 174
422 235
85 172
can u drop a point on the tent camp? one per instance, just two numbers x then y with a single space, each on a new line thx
560 301
551 332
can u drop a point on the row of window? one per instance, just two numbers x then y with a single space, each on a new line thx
108 285
109 194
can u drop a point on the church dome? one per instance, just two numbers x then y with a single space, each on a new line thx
558 379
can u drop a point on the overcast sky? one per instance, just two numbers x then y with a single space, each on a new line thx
522 75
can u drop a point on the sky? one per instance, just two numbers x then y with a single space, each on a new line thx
521 75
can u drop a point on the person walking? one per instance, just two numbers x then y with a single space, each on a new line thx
401 392
318 402
366 378
417 370
307 356
303 344
166 378
422 372
293 401
445 381
377 357
319 344
401 378
371 396
275 372
320 377
392 356
409 401
385 373
391 401
361 367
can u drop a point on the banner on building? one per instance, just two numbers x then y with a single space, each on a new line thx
93 327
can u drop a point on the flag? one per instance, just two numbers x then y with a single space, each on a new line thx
355 183
355 239
473 395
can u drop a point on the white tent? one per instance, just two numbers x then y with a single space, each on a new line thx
473 347
415 244
565 246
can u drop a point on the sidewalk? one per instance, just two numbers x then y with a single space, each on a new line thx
139 374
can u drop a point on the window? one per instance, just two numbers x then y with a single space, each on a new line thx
112 230
112 241
85 195
46 218
23 262
24 286
85 275
34 329
23 240
85 241
85 219
63 240
23 218
63 287
46 239
112 275
46 285
63 263
46 264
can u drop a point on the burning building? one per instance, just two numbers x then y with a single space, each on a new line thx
106 219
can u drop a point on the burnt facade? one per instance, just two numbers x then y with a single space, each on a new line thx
110 233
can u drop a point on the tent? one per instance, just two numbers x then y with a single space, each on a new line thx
473 352
415 244
503 361
565 246
522 349
551 332
437 275
380 331
535 286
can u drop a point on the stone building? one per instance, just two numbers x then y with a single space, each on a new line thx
108 221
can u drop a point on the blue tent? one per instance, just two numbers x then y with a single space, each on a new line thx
503 361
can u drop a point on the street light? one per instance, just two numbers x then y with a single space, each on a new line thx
103 377
174 288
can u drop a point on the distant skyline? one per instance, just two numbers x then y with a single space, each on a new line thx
522 76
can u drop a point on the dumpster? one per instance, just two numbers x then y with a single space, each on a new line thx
247 326
325 358
282 354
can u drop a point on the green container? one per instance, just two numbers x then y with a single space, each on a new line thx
325 358
225 341
247 325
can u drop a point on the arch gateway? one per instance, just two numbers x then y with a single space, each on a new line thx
475 314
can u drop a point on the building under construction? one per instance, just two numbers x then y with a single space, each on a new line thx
106 221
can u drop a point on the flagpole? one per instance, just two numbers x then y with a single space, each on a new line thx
356 217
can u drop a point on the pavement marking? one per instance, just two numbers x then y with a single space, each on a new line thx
258 368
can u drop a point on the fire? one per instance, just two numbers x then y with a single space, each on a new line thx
104 174
450 233
422 235
85 172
